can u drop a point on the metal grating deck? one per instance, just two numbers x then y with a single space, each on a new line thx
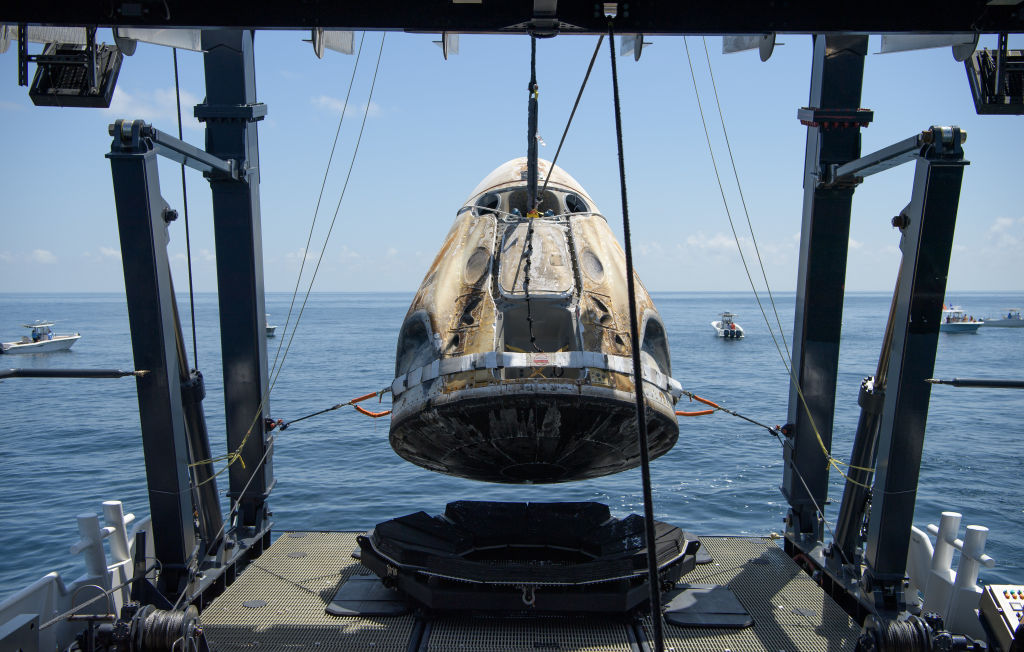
289 586
790 611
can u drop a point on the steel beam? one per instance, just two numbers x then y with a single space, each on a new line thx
572 16
230 113
836 78
151 313
928 223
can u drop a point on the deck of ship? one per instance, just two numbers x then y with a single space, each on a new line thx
279 602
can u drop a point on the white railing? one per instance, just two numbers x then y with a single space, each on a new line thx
49 597
954 595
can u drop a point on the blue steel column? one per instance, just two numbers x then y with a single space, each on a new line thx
230 113
927 241
151 313
836 78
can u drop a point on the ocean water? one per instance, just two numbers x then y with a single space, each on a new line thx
71 444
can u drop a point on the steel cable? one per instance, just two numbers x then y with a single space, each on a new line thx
641 416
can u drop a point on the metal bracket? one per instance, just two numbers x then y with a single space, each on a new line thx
247 112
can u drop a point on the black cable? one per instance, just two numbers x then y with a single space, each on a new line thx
531 136
188 242
316 211
638 379
572 113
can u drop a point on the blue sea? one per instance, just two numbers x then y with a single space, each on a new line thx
71 444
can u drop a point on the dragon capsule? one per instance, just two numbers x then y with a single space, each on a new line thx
514 361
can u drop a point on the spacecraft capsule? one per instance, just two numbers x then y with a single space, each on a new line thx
514 363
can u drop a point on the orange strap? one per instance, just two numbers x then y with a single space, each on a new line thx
706 402
698 413
374 415
362 398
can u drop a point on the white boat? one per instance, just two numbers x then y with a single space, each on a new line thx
1012 319
270 328
42 340
727 328
955 320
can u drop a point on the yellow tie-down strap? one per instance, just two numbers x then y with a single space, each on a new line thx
508 360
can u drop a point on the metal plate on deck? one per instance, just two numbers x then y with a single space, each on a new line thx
790 611
364 595
297 591
704 605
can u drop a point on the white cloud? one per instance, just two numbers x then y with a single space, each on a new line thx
158 107
6 257
11 106
855 244
107 252
347 254
1007 232
298 254
716 242
207 256
43 256
334 105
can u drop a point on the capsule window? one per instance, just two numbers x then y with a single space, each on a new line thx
655 345
415 346
517 201
488 204
575 204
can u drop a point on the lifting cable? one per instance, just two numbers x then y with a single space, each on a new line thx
285 425
184 203
641 416
716 407
532 202
830 459
323 184
235 456
775 431
565 132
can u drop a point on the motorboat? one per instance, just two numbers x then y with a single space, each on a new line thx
955 320
1012 319
41 340
514 362
271 329
727 328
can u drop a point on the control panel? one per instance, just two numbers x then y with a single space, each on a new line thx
1002 606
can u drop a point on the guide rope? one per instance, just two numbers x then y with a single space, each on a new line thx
106 593
184 204
775 431
572 113
829 458
718 408
378 394
235 456
316 211
638 385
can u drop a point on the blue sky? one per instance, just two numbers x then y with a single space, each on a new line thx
435 128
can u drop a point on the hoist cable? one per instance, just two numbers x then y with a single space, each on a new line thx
235 455
743 201
184 203
572 113
531 129
829 458
638 385
323 184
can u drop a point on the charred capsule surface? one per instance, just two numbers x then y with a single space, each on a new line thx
514 361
